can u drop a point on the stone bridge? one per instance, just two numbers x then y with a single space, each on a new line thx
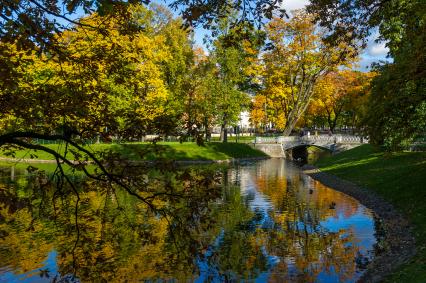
277 146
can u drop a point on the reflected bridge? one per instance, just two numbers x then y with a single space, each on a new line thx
277 146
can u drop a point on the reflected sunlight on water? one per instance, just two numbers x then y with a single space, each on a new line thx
266 221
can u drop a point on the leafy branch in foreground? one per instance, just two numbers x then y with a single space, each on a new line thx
23 139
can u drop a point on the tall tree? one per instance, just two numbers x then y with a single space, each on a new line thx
398 101
108 80
234 52
341 94
296 59
177 71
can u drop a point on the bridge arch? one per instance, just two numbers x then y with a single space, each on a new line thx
304 153
308 145
333 143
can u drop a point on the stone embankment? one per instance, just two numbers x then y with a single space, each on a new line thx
273 150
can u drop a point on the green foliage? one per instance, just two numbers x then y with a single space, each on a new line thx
205 12
177 70
229 72
396 111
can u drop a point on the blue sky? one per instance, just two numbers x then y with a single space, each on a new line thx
374 51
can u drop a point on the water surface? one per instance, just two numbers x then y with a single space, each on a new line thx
262 221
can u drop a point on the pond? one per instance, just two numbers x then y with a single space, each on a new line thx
259 221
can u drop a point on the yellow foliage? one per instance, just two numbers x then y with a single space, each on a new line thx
297 59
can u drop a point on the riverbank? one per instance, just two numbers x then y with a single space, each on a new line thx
392 185
180 152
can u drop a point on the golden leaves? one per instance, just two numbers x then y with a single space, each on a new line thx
296 58
106 75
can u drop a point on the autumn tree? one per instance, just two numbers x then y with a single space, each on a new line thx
258 116
111 83
108 78
35 27
397 106
358 103
341 96
177 71
297 57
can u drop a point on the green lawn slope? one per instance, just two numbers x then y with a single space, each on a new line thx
146 151
401 179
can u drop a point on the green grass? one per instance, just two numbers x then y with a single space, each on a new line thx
21 168
147 151
241 139
401 179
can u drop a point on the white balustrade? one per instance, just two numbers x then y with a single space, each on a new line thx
321 139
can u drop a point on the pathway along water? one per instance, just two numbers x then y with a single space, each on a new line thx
266 221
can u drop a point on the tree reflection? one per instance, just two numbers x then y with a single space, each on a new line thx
202 226
298 236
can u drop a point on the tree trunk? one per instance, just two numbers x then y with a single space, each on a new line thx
300 106
208 135
294 116
331 122
332 125
290 126
224 133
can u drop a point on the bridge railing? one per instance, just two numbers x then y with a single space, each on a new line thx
266 140
313 139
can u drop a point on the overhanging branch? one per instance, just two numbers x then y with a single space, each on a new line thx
18 138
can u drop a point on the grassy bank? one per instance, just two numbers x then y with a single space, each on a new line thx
400 178
147 151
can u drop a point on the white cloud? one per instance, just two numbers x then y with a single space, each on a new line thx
374 52
364 64
290 5
378 50
365 61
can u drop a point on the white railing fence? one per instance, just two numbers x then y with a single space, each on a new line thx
321 139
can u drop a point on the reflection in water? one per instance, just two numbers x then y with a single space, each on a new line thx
264 221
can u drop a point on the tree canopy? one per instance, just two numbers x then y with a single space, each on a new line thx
340 97
396 108
296 58
72 71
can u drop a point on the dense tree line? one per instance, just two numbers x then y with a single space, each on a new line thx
396 108
127 69
78 70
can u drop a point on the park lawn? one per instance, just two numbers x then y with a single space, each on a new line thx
234 138
21 168
400 178
147 151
